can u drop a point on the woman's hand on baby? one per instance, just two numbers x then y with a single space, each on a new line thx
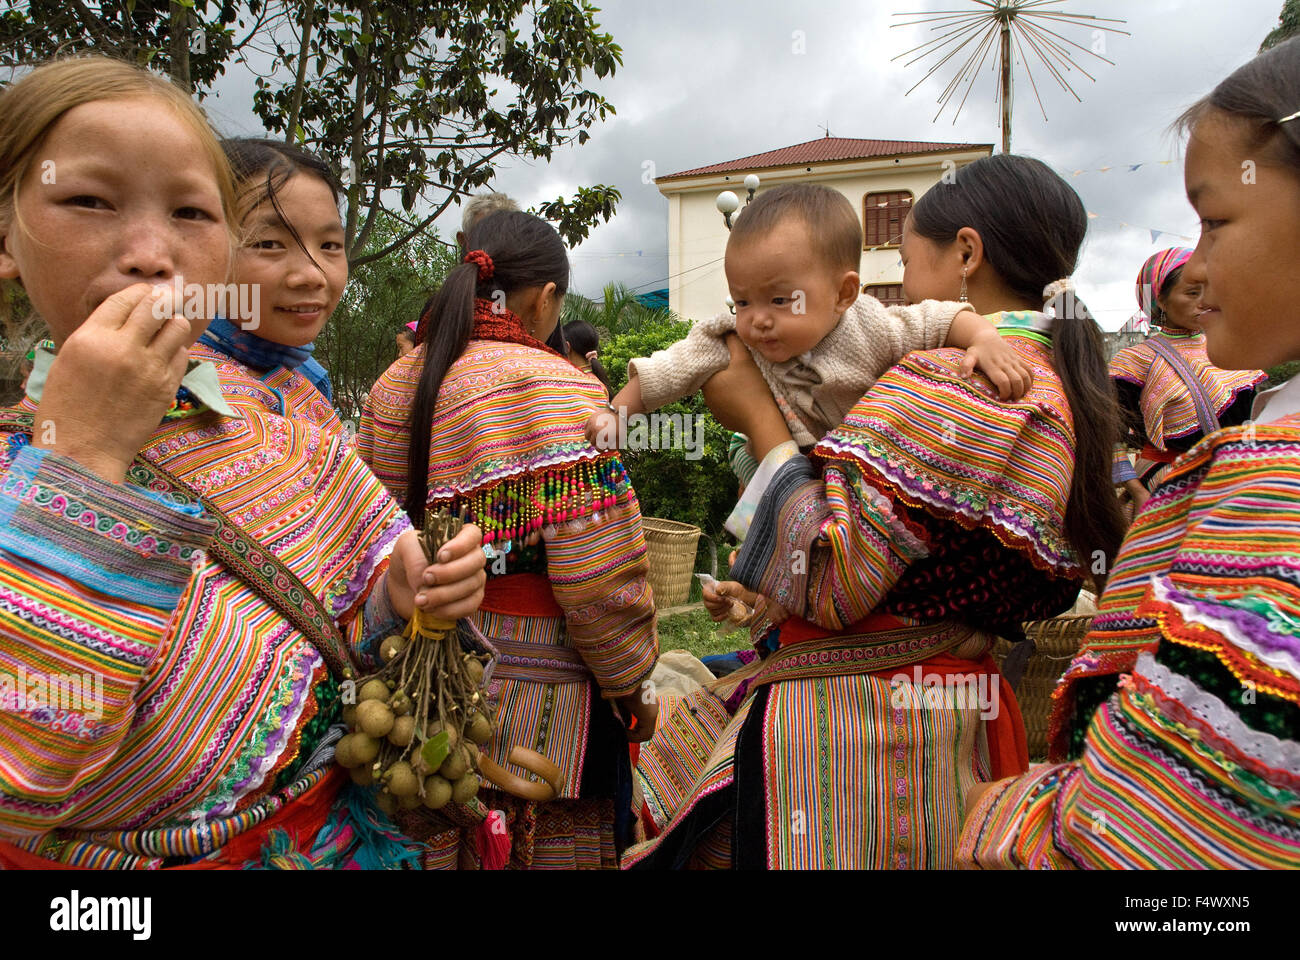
997 360
740 400
113 380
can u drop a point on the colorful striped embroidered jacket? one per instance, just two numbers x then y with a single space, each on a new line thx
508 447
281 391
1195 760
1158 406
934 508
202 692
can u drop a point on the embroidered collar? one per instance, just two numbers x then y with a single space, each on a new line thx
497 323
263 355
200 389
1176 333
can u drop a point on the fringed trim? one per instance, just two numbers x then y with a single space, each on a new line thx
1015 530
1249 670
357 836
517 506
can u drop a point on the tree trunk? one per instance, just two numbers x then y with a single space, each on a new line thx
180 45
300 78
358 139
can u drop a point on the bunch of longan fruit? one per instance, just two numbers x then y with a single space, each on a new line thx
392 747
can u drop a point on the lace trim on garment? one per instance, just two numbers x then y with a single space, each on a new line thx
1278 657
1219 717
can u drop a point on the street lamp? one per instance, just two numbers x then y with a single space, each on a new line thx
728 203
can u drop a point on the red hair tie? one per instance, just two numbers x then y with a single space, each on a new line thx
485 265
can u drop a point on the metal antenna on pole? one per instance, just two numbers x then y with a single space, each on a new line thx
997 25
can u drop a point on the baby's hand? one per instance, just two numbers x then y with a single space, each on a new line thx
1005 368
602 430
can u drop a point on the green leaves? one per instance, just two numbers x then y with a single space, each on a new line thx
140 33
699 491
575 217
457 83
436 749
464 85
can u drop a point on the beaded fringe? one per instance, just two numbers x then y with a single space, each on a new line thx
517 506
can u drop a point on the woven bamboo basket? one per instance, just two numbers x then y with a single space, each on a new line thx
1056 641
670 552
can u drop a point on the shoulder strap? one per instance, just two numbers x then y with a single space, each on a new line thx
259 568
1209 420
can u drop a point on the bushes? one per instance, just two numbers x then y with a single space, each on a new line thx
669 485
1283 372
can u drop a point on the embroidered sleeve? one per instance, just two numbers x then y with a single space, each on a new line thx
90 575
1121 470
1010 827
364 442
357 523
825 549
598 574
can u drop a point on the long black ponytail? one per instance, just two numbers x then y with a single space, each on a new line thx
526 252
1032 225
583 340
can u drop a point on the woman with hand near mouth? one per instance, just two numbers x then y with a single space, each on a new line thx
291 252
1170 392
220 572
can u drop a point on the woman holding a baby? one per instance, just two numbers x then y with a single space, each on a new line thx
882 561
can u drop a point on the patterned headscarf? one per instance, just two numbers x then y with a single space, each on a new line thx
1153 275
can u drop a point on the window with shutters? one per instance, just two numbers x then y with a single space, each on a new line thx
882 218
890 294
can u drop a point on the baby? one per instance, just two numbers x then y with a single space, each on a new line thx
792 267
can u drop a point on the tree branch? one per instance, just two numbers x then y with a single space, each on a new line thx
358 129
300 77
452 194
364 234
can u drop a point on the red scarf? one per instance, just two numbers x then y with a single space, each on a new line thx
497 323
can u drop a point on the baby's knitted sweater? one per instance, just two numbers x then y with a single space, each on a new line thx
814 390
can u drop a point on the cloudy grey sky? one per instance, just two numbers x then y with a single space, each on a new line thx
710 80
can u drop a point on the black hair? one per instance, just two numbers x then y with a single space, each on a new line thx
557 342
1261 93
406 332
526 252
1157 312
422 321
251 157
583 340
1032 225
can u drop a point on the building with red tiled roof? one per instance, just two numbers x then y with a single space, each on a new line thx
881 178
827 150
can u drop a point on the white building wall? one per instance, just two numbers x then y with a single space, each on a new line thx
697 236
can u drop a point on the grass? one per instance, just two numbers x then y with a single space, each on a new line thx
694 631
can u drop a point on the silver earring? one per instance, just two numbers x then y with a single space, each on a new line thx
962 297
